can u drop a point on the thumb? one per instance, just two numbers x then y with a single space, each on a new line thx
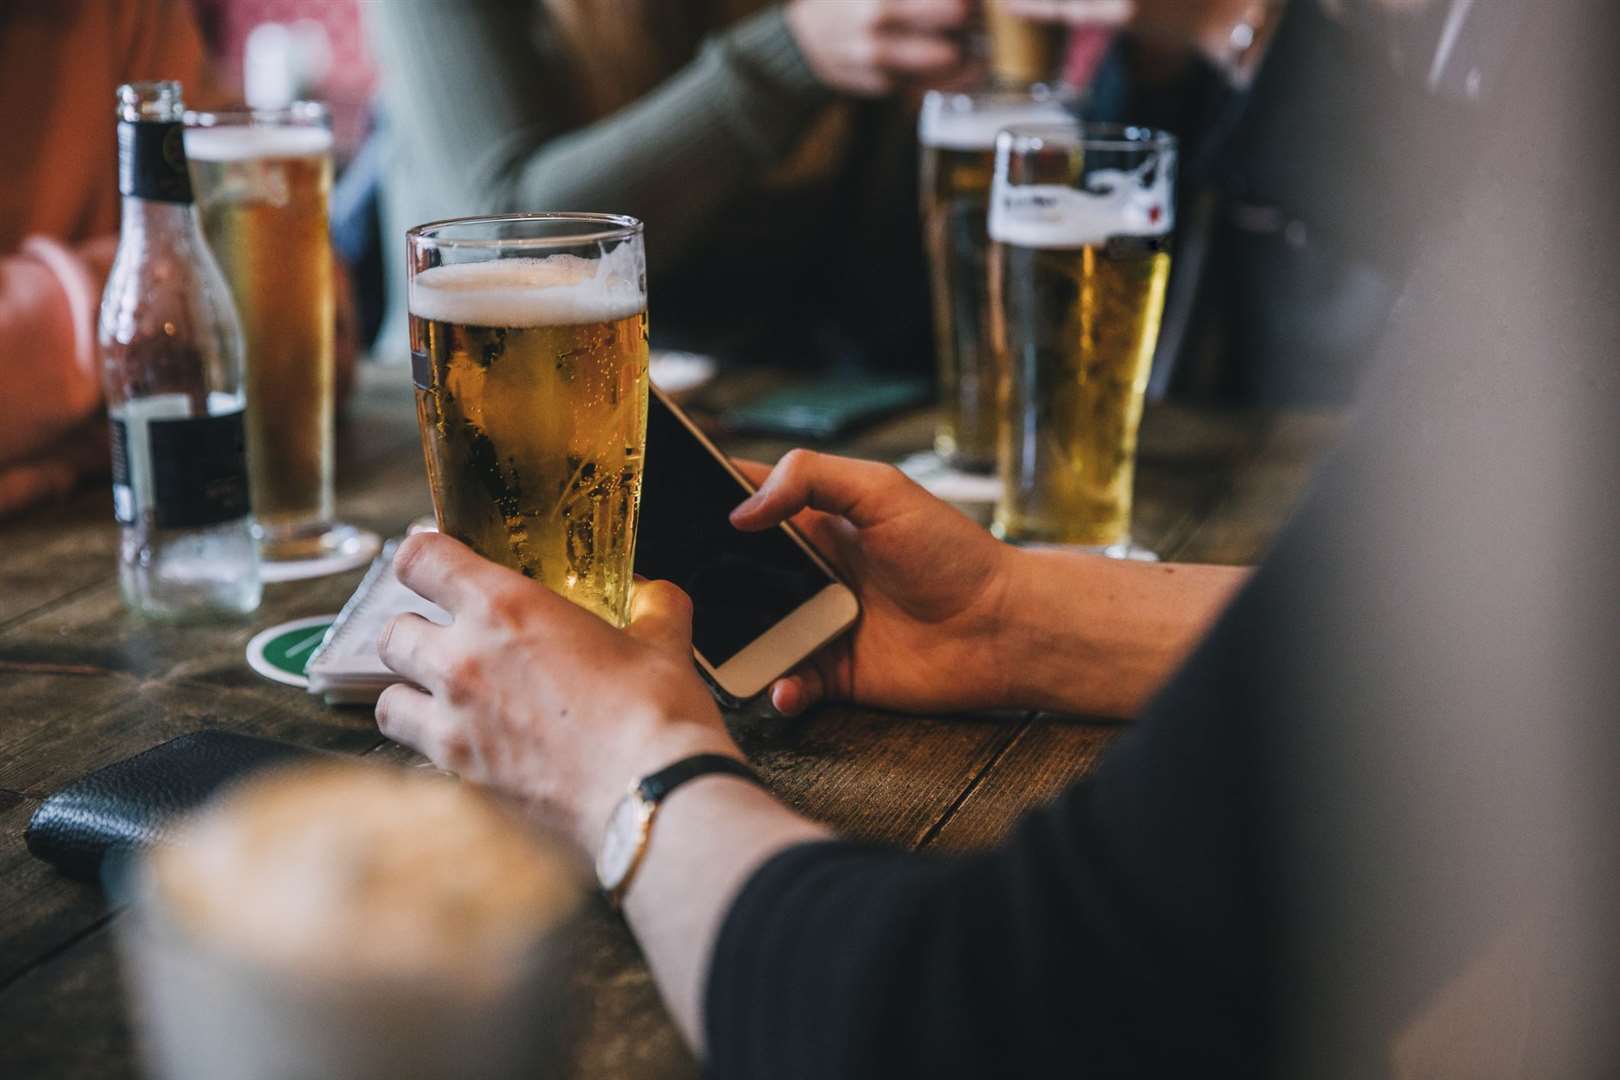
661 616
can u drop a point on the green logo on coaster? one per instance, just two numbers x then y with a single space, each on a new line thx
283 652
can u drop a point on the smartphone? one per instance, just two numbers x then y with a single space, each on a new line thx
761 602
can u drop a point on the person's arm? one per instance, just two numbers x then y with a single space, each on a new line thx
465 86
781 953
49 293
953 620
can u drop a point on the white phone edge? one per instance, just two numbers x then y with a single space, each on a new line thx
797 635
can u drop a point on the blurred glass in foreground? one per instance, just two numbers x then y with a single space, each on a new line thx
1081 225
958 135
529 352
356 921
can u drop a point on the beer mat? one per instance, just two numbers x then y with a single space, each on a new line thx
679 373
357 549
952 485
282 653
346 669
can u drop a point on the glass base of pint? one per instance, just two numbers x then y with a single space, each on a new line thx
302 543
961 458
1127 548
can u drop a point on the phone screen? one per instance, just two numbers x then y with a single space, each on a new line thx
741 584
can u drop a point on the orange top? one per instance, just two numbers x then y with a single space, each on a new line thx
60 63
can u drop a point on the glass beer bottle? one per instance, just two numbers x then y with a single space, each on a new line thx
171 356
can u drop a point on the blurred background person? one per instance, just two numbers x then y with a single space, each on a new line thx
770 148
60 63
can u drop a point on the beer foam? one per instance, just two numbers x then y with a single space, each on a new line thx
976 129
246 142
362 870
1115 203
557 290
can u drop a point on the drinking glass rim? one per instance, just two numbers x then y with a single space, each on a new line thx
297 114
615 227
1058 93
1122 137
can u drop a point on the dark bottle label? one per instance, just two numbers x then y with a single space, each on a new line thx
152 161
199 470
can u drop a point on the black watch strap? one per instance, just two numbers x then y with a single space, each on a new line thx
655 787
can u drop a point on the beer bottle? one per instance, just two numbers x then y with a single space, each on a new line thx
171 356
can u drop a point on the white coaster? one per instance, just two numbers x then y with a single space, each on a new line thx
952 485
281 652
358 550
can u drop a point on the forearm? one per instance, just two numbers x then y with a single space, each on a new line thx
51 306
709 838
480 99
1094 636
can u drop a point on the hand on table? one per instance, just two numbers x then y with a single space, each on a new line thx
933 587
873 47
533 696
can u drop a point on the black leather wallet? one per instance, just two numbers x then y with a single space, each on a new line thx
129 804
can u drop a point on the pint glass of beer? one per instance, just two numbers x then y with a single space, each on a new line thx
1021 50
529 354
958 135
262 178
1080 225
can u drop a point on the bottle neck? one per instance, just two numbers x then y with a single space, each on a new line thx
152 161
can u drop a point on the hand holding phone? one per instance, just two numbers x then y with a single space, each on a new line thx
762 601
935 588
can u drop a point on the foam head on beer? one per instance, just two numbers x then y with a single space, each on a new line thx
557 290
249 143
974 125
349 870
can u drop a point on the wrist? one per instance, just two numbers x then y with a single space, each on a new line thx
649 744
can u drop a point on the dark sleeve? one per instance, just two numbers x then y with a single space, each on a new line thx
1112 933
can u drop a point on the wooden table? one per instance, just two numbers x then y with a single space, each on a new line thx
83 683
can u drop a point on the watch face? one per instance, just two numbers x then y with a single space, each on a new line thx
619 843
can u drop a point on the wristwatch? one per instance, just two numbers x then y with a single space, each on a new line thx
624 842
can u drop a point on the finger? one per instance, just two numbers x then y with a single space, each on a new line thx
661 615
1083 13
754 472
447 572
854 490
917 54
925 14
410 646
799 690
408 716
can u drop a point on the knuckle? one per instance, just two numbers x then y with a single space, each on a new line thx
411 552
463 678
797 461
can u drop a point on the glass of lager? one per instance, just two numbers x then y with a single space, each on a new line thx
529 354
958 135
262 178
1080 225
1021 50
